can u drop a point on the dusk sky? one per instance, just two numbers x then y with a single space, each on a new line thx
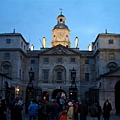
35 19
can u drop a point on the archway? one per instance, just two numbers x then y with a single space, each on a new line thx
58 93
117 97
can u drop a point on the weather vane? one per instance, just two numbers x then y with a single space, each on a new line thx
61 11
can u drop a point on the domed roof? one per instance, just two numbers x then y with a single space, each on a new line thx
60 25
60 16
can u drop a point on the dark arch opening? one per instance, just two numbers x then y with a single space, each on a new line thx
58 93
117 97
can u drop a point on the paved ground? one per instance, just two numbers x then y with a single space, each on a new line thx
113 117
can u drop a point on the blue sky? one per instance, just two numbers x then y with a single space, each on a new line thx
35 19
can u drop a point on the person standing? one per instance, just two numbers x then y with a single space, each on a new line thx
107 107
99 110
75 110
70 111
3 109
33 109
82 109
17 112
93 110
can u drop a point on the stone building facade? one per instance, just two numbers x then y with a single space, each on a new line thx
97 71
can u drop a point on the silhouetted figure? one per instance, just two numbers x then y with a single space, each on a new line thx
99 110
93 110
17 112
106 110
3 109
82 109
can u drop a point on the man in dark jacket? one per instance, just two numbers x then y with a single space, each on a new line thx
82 109
106 110
93 110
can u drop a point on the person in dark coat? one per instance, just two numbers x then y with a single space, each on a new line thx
107 107
3 109
82 109
99 110
17 112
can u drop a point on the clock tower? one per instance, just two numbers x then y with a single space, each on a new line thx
60 32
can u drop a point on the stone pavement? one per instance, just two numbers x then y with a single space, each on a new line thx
113 117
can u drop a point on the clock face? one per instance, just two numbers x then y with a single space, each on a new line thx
60 34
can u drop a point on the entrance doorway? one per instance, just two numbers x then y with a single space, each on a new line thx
117 97
59 93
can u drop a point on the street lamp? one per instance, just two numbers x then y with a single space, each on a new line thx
29 90
73 88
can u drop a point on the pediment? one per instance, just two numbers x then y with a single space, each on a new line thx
115 72
59 50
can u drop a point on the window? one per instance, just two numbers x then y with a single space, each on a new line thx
46 60
110 41
20 74
59 77
112 66
8 41
21 44
86 76
45 75
7 56
86 61
72 60
59 59
32 61
6 70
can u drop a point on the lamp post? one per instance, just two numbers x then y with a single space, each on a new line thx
29 90
73 88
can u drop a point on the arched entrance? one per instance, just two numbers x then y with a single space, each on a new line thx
58 93
117 97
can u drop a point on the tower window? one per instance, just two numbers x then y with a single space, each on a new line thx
110 41
8 41
60 20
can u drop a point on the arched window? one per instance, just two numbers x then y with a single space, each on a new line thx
112 65
6 67
59 74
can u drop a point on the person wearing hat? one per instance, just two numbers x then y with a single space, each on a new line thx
70 111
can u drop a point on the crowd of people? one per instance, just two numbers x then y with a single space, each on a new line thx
55 109
68 110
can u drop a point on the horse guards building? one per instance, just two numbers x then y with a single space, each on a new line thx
97 69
